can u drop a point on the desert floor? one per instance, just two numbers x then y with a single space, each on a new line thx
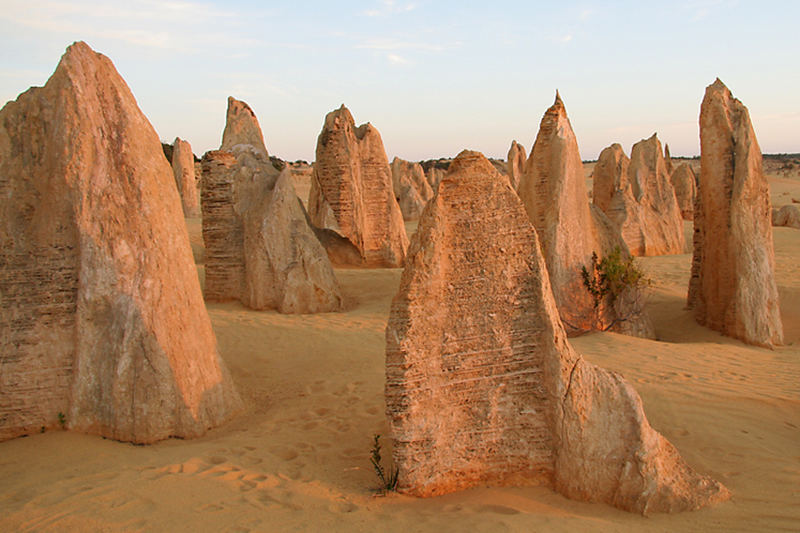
297 458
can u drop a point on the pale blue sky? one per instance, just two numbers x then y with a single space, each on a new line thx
433 77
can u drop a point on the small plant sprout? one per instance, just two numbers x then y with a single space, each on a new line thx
388 482
62 420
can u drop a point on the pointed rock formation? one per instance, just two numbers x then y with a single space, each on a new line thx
411 188
482 386
732 288
242 128
101 314
668 160
516 163
183 169
643 206
684 182
553 190
260 249
351 191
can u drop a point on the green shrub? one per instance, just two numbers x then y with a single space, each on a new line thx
611 275
388 482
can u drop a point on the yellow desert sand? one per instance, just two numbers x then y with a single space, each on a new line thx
297 458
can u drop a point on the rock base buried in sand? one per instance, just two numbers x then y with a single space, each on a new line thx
101 314
482 386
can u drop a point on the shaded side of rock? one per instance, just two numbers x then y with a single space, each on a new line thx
286 267
223 230
733 288
515 162
411 188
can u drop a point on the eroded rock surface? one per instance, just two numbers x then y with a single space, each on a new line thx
482 386
183 169
351 191
515 163
609 176
553 190
260 249
242 129
411 188
101 314
643 206
732 288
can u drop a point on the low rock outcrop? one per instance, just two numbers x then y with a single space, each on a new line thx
242 129
260 249
482 386
732 287
411 188
351 191
553 190
101 314
788 215
183 170
515 163
684 181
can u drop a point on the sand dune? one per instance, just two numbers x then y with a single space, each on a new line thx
297 458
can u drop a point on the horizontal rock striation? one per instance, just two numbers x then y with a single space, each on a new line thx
351 191
482 386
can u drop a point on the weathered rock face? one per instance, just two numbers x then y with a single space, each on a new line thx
553 190
260 249
643 206
242 128
668 160
684 182
788 215
434 176
101 314
482 386
351 191
411 188
515 163
183 169
732 288
610 175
